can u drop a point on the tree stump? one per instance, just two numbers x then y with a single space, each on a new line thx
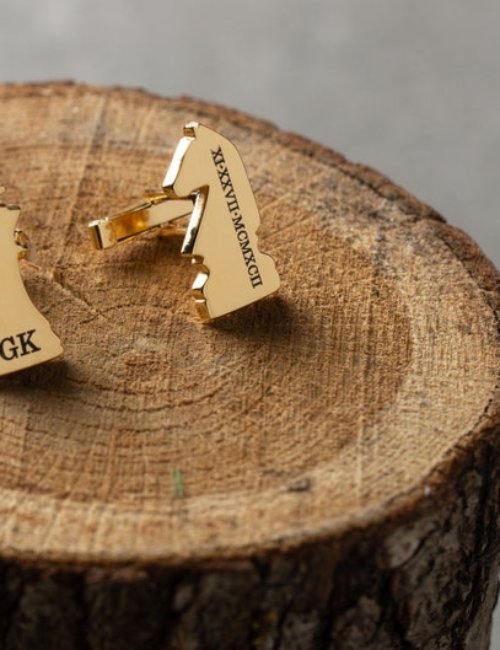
320 470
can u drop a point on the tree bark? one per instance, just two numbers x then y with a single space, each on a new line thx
318 471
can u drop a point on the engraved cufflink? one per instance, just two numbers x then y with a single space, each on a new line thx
26 338
206 181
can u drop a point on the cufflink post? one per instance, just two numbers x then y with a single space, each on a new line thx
156 211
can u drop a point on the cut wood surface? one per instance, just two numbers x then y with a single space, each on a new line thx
320 470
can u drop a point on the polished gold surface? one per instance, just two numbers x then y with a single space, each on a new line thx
206 181
222 233
26 338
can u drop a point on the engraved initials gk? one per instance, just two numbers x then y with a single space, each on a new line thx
13 347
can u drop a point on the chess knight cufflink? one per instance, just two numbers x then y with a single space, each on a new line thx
26 338
207 182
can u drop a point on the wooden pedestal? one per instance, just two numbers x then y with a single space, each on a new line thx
318 471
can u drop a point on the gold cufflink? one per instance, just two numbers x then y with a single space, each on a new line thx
207 182
26 338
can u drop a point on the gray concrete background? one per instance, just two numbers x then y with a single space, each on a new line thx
412 88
